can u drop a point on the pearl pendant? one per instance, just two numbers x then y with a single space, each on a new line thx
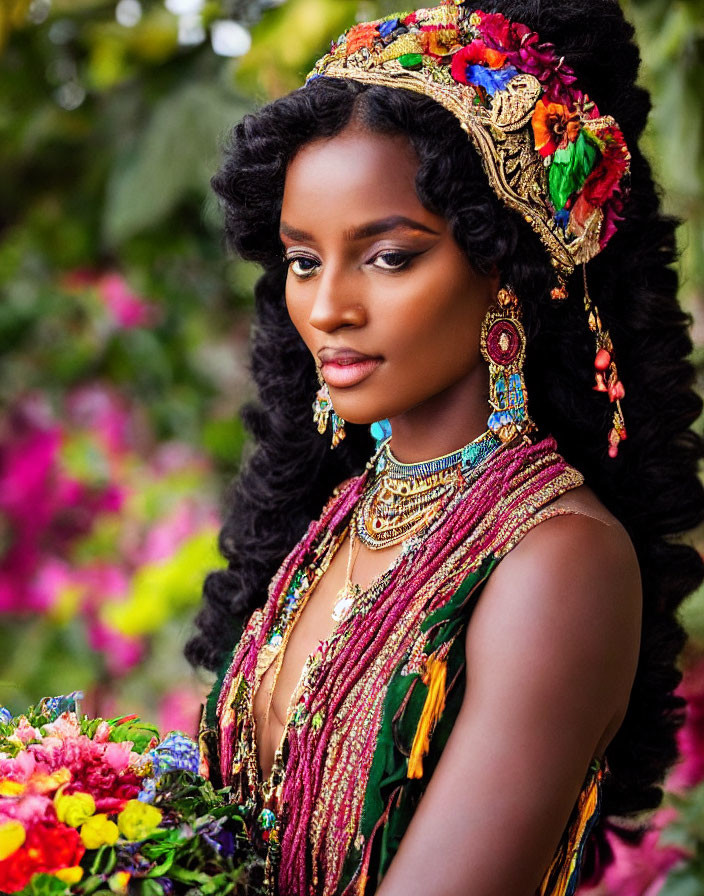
346 599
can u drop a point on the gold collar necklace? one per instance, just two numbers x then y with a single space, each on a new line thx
403 499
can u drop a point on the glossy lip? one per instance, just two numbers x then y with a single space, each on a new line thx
343 367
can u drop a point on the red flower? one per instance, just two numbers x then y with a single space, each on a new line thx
500 33
525 52
475 53
603 182
48 848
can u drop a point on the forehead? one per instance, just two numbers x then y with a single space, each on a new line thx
353 176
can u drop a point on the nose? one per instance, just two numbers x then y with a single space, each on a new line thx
337 302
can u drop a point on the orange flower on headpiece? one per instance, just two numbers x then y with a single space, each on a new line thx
439 41
553 127
362 35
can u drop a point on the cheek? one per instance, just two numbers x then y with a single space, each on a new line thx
298 312
441 329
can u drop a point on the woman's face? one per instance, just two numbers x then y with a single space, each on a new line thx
377 287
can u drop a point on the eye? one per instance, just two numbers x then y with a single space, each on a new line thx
301 265
393 261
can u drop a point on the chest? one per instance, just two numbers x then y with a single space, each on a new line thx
313 623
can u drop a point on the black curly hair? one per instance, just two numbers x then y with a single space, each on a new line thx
652 486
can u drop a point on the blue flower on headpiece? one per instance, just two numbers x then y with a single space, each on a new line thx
5 715
491 79
563 218
388 27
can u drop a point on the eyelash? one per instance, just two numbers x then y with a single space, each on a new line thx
407 258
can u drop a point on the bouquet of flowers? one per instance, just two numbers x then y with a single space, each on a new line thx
95 808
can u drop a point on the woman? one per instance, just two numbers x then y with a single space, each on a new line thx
484 615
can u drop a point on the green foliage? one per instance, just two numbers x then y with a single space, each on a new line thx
671 36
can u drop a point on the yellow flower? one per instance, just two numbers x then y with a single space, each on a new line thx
69 875
98 831
118 882
138 820
11 788
12 836
74 809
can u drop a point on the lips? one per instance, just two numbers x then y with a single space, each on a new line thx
345 367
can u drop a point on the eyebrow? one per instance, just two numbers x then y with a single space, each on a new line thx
373 228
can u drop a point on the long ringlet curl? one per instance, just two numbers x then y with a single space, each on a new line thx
652 486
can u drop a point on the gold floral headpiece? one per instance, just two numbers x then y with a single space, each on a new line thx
548 152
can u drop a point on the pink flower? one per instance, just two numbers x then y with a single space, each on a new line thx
690 770
104 413
26 732
641 870
180 711
43 509
523 50
127 308
121 652
29 809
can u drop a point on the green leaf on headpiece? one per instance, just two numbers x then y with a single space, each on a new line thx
570 168
411 60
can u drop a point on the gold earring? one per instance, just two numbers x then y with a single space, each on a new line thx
503 345
323 411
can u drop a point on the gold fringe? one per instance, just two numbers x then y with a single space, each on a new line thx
565 861
436 678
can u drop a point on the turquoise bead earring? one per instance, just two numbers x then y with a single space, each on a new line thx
381 431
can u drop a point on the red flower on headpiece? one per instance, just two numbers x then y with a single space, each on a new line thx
602 183
525 52
497 31
602 188
475 53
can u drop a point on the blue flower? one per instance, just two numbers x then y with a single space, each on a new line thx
563 218
491 79
5 716
56 706
388 27
148 791
175 753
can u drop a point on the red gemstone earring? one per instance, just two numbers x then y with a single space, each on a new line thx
503 345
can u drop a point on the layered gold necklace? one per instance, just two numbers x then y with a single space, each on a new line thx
403 499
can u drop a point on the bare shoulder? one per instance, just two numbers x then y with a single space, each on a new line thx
566 602
583 557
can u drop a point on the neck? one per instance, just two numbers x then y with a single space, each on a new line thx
444 423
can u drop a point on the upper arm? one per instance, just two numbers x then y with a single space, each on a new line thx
552 649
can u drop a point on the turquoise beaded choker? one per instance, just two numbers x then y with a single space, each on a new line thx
473 454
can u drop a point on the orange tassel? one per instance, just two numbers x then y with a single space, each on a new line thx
436 678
